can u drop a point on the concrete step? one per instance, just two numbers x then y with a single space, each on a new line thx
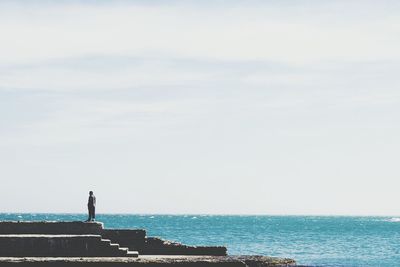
133 254
116 248
125 252
134 239
107 248
49 245
51 228
115 245
59 246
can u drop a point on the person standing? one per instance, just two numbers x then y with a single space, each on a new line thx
91 207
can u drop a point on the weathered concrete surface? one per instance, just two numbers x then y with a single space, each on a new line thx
133 239
150 261
137 240
30 245
158 246
51 228
79 239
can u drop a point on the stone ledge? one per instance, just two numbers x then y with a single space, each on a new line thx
50 227
153 261
158 246
30 245
48 236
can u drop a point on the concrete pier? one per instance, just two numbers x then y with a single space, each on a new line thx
79 244
132 239
34 245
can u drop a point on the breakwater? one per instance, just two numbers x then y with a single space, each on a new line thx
90 244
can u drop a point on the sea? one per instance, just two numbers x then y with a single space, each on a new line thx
310 240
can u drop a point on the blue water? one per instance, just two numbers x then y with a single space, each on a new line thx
311 240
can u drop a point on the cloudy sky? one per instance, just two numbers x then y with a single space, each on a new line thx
223 107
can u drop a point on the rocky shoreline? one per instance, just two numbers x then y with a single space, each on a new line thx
153 261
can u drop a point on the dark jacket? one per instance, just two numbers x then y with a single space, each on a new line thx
92 201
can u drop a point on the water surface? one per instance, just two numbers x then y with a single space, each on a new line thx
311 240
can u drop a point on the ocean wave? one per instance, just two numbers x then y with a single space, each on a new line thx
394 219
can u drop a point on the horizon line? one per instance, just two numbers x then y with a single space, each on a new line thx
207 214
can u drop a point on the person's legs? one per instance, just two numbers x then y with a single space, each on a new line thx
93 213
90 216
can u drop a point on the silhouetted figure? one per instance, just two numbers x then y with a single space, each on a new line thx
91 207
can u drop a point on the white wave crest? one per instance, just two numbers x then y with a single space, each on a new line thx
394 219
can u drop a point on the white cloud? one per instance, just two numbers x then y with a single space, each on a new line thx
259 33
94 78
277 93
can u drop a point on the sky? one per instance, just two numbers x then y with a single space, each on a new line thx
200 107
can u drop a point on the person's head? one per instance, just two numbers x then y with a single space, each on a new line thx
91 193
